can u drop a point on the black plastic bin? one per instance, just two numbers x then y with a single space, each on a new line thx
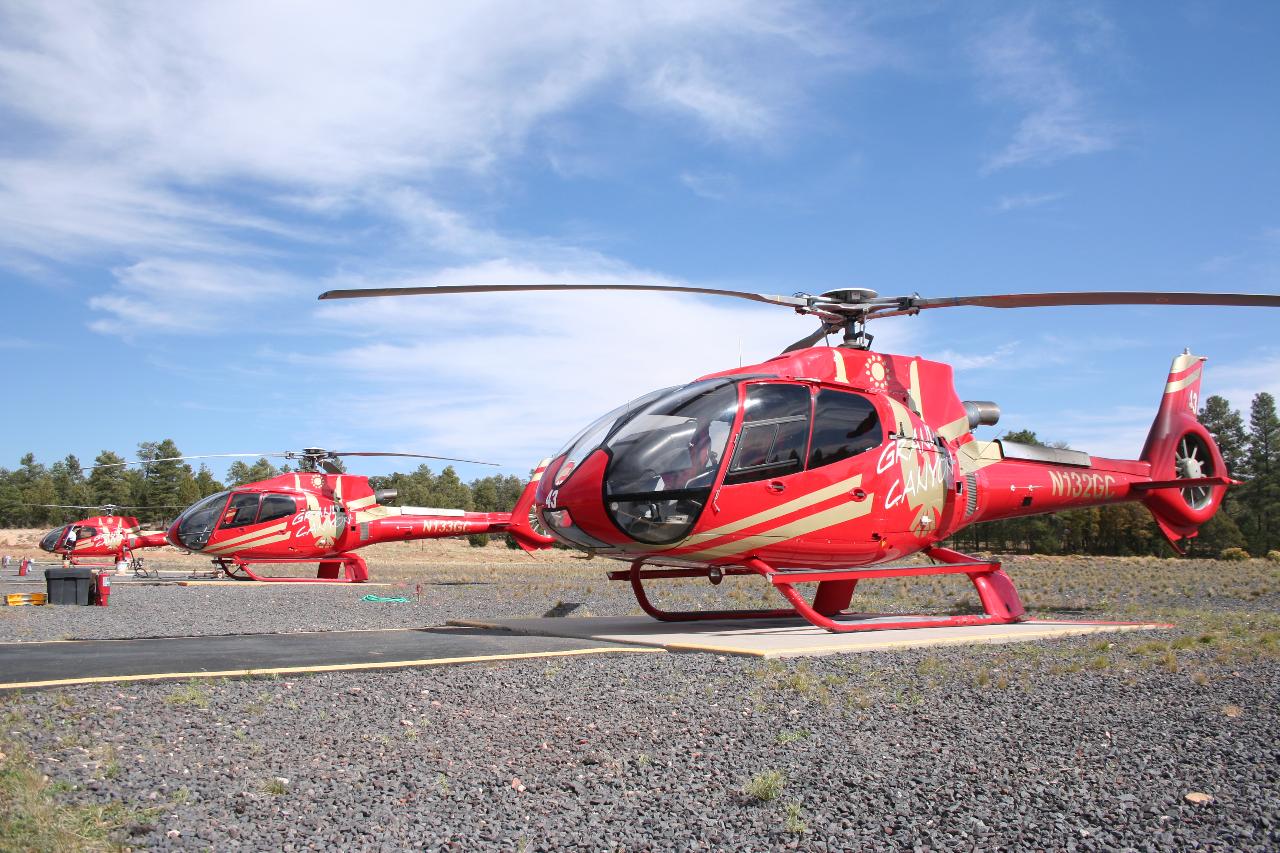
69 586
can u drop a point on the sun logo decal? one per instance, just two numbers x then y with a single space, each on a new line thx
317 482
877 373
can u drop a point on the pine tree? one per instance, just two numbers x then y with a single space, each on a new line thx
41 490
109 485
170 485
1261 496
70 483
206 483
240 473
449 492
1227 428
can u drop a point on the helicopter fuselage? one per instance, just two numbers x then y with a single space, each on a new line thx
822 458
100 536
313 516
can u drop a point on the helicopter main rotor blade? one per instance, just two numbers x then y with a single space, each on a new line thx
361 293
416 456
100 506
1100 297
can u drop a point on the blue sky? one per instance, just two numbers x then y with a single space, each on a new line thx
179 181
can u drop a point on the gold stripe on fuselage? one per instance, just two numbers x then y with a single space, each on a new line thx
955 429
249 545
244 537
765 516
841 374
792 530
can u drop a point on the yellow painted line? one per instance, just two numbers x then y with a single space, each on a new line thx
336 667
722 650
214 636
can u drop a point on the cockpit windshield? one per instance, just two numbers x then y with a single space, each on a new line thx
581 445
51 539
663 461
196 525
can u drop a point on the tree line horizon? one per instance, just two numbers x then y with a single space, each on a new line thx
1249 518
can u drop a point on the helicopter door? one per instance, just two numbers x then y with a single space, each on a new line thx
820 479
766 463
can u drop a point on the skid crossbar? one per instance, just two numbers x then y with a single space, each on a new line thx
996 591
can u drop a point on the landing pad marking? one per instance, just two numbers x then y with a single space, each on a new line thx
779 638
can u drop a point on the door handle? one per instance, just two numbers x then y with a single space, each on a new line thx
777 486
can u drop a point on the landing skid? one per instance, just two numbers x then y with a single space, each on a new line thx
996 591
344 568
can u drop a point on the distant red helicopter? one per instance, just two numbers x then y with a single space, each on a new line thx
116 537
824 465
315 516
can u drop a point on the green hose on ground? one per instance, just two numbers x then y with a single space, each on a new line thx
386 599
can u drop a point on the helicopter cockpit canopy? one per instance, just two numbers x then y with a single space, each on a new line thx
666 450
196 524
663 461
52 538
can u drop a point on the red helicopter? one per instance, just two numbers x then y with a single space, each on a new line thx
320 515
115 537
825 465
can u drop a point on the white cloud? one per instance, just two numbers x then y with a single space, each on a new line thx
326 97
1240 381
715 186
999 358
1018 66
151 135
687 85
66 209
1026 200
167 295
1118 433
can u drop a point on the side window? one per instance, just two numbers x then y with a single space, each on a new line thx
86 532
276 506
775 431
844 425
241 511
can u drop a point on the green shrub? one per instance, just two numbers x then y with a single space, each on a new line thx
1273 556
478 540
1233 555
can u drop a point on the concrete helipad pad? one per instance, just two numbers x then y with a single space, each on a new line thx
779 638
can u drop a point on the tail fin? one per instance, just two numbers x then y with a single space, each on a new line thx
524 527
1188 474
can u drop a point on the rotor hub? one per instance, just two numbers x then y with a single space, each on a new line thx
850 294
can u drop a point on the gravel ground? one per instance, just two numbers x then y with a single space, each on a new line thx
979 748
1086 744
